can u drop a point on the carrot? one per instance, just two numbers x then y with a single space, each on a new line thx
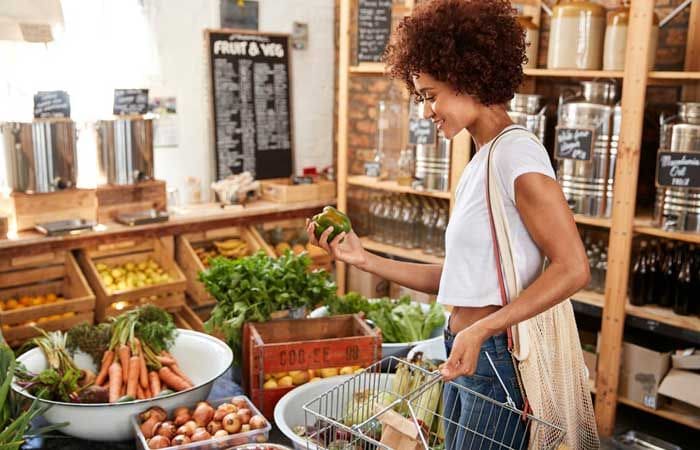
140 395
155 383
171 380
115 381
133 376
147 393
122 390
175 368
166 360
124 354
143 370
107 359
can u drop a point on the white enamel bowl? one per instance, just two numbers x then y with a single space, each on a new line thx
202 357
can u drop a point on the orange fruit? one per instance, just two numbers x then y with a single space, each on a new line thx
25 301
50 298
36 301
11 304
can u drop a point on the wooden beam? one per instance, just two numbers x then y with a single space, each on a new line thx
624 197
692 53
343 92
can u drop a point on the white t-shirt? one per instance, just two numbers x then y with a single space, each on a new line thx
469 271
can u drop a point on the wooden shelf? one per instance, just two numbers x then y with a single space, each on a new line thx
573 73
686 416
415 255
644 225
664 315
373 69
593 221
393 186
589 298
674 75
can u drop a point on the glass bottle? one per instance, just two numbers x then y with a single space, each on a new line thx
405 172
684 290
601 269
652 271
639 277
391 235
417 223
431 232
668 278
592 254
389 129
426 216
440 228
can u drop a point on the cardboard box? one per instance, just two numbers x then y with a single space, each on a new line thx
641 373
397 291
367 284
682 385
590 358
686 359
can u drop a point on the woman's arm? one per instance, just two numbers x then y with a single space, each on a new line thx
420 277
547 217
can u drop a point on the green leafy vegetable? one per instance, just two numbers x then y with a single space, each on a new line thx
91 339
400 320
250 289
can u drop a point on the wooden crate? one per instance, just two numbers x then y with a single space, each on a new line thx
191 265
53 272
284 345
27 210
169 296
290 228
281 190
186 318
115 199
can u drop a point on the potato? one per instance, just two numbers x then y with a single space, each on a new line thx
346 370
285 381
299 377
329 372
270 384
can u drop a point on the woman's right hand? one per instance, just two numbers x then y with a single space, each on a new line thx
349 251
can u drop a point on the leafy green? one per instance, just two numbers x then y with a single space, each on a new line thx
250 289
155 327
91 339
400 320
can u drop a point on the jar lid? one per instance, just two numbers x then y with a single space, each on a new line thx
574 8
621 16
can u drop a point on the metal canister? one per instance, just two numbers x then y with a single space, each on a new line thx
40 156
676 208
125 150
524 109
588 185
433 165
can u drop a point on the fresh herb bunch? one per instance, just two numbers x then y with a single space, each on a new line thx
250 289
91 339
400 320
155 327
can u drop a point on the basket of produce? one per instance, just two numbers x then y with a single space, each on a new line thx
128 274
201 426
195 250
291 235
112 371
281 354
45 290
404 323
284 190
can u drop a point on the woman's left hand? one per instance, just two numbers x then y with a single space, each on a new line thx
465 353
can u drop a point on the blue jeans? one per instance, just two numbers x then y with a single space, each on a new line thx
474 422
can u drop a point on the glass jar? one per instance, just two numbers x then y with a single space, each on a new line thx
532 40
405 168
406 240
389 131
616 39
576 35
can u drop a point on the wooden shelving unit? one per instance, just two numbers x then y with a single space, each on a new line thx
623 225
392 186
412 254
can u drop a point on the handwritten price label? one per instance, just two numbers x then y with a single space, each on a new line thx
574 143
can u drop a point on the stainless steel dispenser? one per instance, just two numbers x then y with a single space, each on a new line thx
433 164
40 156
588 185
524 109
125 150
678 208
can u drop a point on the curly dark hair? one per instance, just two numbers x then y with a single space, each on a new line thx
477 46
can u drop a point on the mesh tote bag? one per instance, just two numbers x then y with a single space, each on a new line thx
546 348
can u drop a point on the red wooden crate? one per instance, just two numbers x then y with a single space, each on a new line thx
286 345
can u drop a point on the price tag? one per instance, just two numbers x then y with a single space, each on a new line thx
51 104
421 131
130 101
574 143
678 170
373 29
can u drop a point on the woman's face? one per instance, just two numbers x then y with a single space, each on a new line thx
450 110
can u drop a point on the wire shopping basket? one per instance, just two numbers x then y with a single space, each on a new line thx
403 408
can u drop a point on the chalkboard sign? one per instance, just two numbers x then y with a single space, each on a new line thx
421 131
250 93
373 29
51 104
574 143
678 170
130 101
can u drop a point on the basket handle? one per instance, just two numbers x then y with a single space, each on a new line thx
509 399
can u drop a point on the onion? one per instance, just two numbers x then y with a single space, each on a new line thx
203 414
182 415
245 415
224 409
232 423
200 434
167 429
158 442
188 428
257 422
181 439
240 402
220 434
214 426
245 428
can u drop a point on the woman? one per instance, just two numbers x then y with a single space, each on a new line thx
463 61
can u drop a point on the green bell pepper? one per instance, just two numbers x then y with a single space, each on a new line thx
331 217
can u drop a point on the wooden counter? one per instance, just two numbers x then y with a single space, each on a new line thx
184 220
